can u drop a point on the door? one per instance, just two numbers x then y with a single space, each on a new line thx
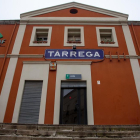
73 109
30 104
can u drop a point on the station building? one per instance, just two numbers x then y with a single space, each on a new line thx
70 64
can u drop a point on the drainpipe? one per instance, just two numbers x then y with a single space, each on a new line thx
2 67
136 38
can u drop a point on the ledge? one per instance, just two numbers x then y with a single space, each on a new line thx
74 62
62 62
25 55
2 55
36 62
122 56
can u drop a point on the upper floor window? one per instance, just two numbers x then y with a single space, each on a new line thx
106 36
41 36
74 35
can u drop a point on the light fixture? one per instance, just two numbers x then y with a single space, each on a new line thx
74 47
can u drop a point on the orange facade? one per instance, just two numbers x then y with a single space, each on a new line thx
115 100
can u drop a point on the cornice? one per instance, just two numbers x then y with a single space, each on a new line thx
73 20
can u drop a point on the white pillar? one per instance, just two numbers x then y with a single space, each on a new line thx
10 73
134 62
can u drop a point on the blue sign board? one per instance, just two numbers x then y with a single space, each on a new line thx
74 54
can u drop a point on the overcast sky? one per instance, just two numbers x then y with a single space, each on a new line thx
11 9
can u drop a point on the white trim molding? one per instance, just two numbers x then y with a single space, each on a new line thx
34 71
33 36
76 5
85 71
129 41
74 62
19 38
7 87
134 62
36 62
73 20
10 73
114 37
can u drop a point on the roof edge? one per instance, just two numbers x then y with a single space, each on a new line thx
9 22
73 4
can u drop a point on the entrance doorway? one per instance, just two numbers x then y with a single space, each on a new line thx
73 107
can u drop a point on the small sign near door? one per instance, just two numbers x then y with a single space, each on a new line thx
74 76
53 66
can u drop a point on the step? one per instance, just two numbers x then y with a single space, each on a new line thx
55 127
107 128
36 127
18 126
8 137
115 134
71 127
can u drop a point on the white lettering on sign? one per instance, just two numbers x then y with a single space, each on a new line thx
81 54
2 41
72 75
72 54
64 53
57 54
50 52
96 54
88 54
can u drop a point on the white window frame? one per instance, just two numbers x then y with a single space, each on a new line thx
34 35
66 36
113 35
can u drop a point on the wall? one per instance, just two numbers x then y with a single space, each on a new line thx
115 100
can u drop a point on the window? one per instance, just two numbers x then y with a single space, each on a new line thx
73 11
74 35
41 36
106 36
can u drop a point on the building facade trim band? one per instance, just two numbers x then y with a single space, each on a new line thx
42 56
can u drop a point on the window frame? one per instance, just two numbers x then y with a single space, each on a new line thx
113 35
32 39
66 36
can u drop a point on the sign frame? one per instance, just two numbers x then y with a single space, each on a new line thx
93 53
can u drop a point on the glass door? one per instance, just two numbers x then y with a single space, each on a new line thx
73 108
